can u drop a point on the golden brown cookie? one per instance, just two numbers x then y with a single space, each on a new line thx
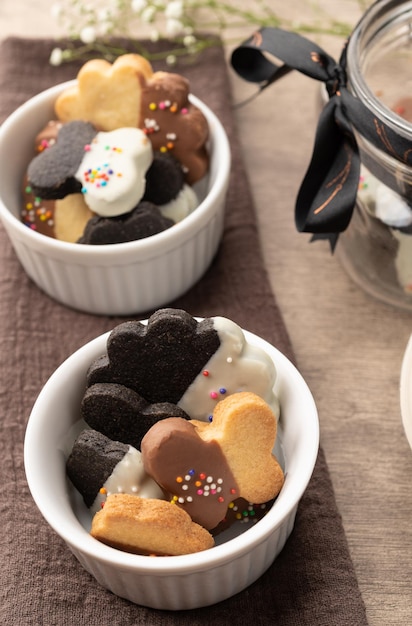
107 95
146 526
71 215
245 427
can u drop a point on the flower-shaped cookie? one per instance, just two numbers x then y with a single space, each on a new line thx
107 95
128 93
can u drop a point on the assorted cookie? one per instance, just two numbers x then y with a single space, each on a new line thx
207 455
131 142
205 466
148 527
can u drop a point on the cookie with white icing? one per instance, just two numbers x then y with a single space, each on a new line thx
194 364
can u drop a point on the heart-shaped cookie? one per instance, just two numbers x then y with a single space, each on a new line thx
206 466
194 472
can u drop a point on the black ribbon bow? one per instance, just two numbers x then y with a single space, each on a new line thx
328 192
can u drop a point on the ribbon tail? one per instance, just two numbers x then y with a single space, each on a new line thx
332 238
328 192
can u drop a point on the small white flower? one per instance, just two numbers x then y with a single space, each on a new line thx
154 36
104 15
138 5
56 56
148 14
171 59
88 34
56 10
189 40
174 9
173 27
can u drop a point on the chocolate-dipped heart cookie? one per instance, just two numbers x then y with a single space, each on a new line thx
206 466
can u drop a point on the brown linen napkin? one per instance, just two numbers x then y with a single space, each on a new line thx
312 583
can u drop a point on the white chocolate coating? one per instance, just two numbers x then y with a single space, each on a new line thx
391 208
113 171
129 477
184 203
235 366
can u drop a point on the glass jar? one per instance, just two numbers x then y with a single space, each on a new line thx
376 248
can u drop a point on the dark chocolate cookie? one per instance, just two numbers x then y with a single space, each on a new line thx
122 414
145 220
164 179
51 173
91 462
158 361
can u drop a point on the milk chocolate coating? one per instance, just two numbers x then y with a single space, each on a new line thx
195 472
158 361
241 511
174 124
91 462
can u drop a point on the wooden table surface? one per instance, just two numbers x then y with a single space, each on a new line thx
349 347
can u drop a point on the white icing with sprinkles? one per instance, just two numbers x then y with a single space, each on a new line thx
113 171
129 477
235 366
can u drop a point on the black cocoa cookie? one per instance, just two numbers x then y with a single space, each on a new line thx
158 361
51 173
91 462
122 414
164 179
145 220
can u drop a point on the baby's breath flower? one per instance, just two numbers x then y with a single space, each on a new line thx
56 56
56 10
148 14
104 15
154 35
93 21
189 40
138 5
88 34
174 9
173 27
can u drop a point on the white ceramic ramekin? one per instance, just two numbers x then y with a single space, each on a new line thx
118 279
177 582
